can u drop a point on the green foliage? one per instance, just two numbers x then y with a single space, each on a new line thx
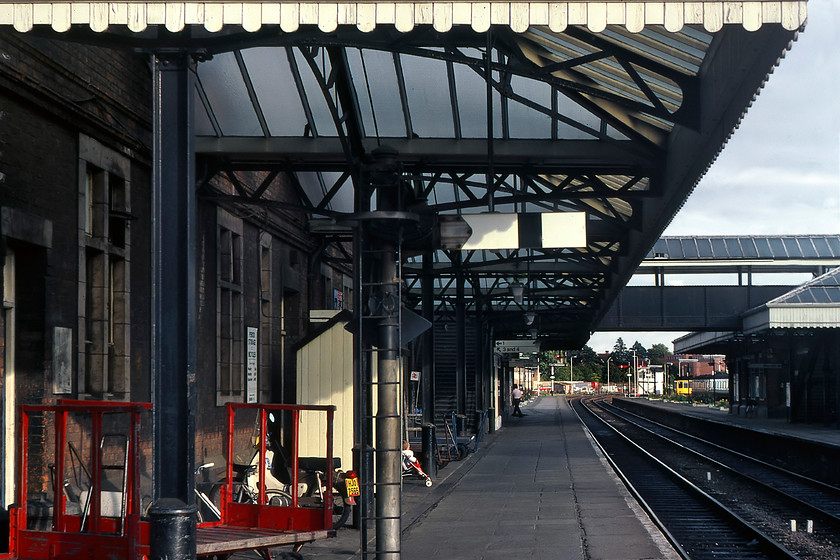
620 353
657 353
641 351
586 365
587 355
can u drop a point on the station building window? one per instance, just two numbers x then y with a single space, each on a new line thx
230 330
104 266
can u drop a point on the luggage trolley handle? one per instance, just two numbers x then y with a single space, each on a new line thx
104 466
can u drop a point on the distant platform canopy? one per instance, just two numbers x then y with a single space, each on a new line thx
814 305
214 16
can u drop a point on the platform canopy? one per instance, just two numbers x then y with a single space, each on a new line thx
611 109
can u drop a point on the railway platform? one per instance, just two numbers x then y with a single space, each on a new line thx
537 488
775 426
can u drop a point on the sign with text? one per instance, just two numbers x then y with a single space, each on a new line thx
522 363
517 346
251 366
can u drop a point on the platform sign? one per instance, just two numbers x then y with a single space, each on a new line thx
522 363
251 366
517 346
497 230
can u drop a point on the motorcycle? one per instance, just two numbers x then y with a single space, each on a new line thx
311 479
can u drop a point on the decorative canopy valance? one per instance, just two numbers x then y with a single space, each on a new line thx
215 16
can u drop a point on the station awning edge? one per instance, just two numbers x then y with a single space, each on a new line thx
214 16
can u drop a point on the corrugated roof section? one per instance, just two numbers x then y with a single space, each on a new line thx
519 16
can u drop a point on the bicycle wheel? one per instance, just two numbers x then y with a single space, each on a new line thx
341 511
238 494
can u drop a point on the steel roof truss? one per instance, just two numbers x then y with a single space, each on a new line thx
406 111
526 66
252 94
311 129
689 85
337 185
205 102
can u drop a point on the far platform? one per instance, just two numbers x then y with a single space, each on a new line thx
806 431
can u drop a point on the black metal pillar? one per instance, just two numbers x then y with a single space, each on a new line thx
388 438
173 313
460 339
427 379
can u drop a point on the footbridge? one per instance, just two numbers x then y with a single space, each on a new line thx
701 283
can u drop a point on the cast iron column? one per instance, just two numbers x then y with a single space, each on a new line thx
460 338
427 380
173 312
388 439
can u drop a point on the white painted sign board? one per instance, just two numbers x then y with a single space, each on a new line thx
251 366
550 230
517 346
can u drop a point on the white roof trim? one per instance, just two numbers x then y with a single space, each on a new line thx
692 341
215 15
800 316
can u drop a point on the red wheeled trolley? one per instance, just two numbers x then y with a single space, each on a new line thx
109 525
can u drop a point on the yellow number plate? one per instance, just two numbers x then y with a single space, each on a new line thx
353 487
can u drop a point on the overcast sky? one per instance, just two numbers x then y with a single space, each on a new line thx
780 171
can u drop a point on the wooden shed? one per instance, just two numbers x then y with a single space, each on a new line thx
325 377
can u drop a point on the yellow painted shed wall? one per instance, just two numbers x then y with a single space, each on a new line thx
325 376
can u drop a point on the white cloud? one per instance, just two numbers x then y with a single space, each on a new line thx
781 168
780 172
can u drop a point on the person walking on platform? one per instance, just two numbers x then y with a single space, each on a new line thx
516 396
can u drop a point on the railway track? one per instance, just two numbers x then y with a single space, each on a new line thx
698 525
818 498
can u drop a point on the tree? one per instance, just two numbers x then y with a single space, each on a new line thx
641 351
620 354
657 353
587 354
546 358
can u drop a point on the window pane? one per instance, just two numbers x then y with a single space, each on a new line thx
427 89
227 96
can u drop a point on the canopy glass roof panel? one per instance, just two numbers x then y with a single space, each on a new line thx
282 107
824 290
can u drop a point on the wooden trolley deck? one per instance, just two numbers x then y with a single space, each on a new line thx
221 540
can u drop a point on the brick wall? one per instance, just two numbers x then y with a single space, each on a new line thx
51 92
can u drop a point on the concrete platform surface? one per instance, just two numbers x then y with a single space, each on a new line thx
537 489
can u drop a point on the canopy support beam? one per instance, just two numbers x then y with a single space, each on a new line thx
173 313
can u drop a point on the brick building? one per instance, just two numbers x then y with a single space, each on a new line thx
695 365
75 244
